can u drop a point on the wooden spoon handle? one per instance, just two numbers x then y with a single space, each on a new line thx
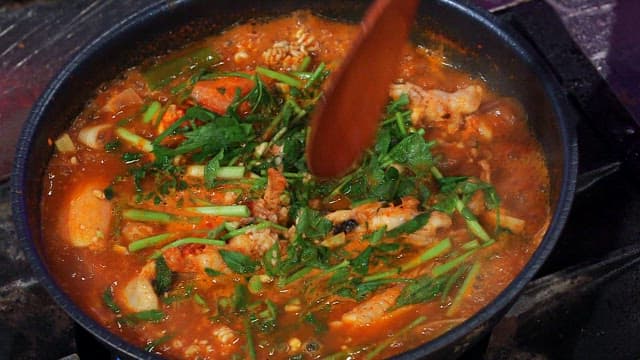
345 123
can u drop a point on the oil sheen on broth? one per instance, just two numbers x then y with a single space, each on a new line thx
179 212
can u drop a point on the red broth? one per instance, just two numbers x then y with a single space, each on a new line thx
179 214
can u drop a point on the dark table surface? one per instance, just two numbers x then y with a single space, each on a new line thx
38 37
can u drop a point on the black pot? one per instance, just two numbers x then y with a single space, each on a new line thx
509 64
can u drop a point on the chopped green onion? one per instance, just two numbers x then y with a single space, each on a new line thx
295 276
428 254
317 74
286 79
149 242
160 74
451 281
255 284
254 227
305 63
400 123
472 222
147 315
334 241
251 347
200 301
473 244
230 172
161 340
388 341
151 113
109 301
381 275
222 210
188 240
148 215
450 265
135 140
223 172
468 281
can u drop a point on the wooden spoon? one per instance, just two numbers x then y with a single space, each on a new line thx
345 123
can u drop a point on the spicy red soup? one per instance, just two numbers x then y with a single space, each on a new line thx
180 214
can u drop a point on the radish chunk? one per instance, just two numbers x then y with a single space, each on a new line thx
124 98
139 295
88 216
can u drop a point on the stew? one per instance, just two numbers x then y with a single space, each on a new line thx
179 213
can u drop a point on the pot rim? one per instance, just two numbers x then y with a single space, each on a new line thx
505 298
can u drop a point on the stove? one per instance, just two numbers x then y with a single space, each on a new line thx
585 301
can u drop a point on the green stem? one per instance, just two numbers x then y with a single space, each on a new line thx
278 76
185 241
160 74
254 227
472 222
400 122
381 275
473 273
471 245
230 172
295 276
222 210
305 63
384 344
451 281
450 265
148 242
315 76
135 140
148 216
251 347
151 112
427 255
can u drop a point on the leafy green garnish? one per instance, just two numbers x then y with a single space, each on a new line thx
410 226
238 262
360 263
147 315
212 272
423 289
161 74
311 224
164 276
318 325
112 145
211 169
240 298
109 301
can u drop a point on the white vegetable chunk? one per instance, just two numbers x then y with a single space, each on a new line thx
139 295
88 216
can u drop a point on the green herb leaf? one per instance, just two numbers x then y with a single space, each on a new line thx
109 301
311 224
238 262
414 152
240 298
164 276
422 290
361 263
410 226
318 325
212 272
147 315
112 146
211 169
